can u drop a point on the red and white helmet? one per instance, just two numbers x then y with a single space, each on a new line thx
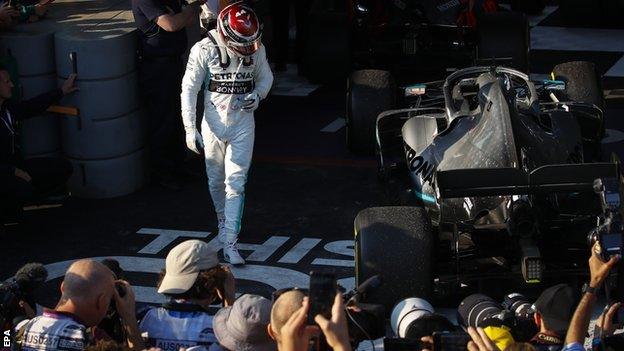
239 26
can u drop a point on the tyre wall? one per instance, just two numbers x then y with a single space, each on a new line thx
33 49
106 142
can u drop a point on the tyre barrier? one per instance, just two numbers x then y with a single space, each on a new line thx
87 138
107 178
33 49
106 141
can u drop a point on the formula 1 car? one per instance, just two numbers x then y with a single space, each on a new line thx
500 177
422 38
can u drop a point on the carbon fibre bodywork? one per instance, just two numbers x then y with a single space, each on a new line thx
492 155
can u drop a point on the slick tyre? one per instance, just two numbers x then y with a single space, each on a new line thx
582 82
583 85
369 92
503 35
397 243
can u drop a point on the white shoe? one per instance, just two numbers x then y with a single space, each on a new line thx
231 255
221 234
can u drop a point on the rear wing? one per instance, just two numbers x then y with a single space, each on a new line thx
513 181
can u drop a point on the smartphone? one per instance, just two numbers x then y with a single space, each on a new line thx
322 292
451 341
611 245
401 344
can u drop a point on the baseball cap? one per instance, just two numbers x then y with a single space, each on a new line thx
243 326
556 306
183 264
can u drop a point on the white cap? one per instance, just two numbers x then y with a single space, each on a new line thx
183 265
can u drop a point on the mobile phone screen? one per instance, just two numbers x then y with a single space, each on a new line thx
321 295
612 244
450 341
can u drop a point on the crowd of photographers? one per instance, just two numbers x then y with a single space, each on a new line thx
97 311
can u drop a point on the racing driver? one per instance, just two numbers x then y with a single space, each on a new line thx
231 62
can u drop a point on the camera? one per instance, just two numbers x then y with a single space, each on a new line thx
111 323
22 287
519 305
515 314
413 318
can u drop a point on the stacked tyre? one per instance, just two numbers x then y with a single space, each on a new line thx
33 49
106 141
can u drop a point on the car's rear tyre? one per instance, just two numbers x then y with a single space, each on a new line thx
397 243
504 35
582 82
583 85
369 92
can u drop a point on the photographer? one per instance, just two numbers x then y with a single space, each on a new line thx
295 335
86 292
193 279
598 270
553 311
17 297
243 326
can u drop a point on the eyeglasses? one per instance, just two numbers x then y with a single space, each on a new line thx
279 292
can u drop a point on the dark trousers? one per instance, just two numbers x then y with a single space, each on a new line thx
280 13
49 175
160 82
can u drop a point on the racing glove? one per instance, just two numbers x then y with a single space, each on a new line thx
251 102
194 141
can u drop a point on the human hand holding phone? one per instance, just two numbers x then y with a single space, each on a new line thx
335 328
322 291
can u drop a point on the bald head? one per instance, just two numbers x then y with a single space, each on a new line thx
86 279
284 307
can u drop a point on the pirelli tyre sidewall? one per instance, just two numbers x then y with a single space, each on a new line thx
583 84
369 92
398 244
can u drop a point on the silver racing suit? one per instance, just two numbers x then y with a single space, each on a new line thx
230 82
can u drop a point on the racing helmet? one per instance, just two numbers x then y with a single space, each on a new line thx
239 27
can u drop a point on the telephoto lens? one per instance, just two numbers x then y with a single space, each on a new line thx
519 305
414 318
476 309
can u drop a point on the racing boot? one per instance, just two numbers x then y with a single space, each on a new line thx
230 251
221 234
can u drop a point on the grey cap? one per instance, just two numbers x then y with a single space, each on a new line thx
183 264
243 326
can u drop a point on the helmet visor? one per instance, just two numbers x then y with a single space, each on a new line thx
245 49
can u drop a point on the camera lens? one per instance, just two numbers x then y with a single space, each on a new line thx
476 308
518 304
406 312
